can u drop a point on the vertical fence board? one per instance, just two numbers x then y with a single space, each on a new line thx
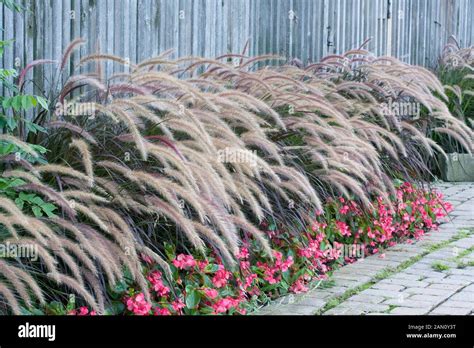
303 29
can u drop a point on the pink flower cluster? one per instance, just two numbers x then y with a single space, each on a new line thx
157 283
204 285
183 261
272 272
81 311
225 304
138 305
298 287
221 277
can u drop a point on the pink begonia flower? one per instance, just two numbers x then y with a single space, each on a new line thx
138 305
280 264
278 255
448 206
439 212
343 228
249 280
221 277
211 293
224 304
402 206
161 289
243 254
287 264
242 311
244 265
298 287
183 261
269 272
344 209
161 311
178 305
305 252
83 311
202 265
158 285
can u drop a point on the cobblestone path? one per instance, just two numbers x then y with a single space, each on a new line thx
432 276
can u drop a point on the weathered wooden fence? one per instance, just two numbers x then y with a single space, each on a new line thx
413 30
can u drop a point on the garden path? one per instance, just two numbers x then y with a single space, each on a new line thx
434 275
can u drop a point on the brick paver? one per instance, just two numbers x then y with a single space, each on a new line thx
441 282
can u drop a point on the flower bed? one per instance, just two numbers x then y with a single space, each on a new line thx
204 285
98 197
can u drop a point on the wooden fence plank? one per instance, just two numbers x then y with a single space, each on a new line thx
303 29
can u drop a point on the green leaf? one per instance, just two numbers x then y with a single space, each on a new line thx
206 310
26 102
37 200
211 268
13 6
207 281
33 101
16 182
4 182
39 148
170 251
11 123
31 311
48 208
116 308
26 196
7 148
3 121
19 203
33 127
120 287
43 102
37 211
56 307
71 304
7 102
16 103
397 182
192 299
